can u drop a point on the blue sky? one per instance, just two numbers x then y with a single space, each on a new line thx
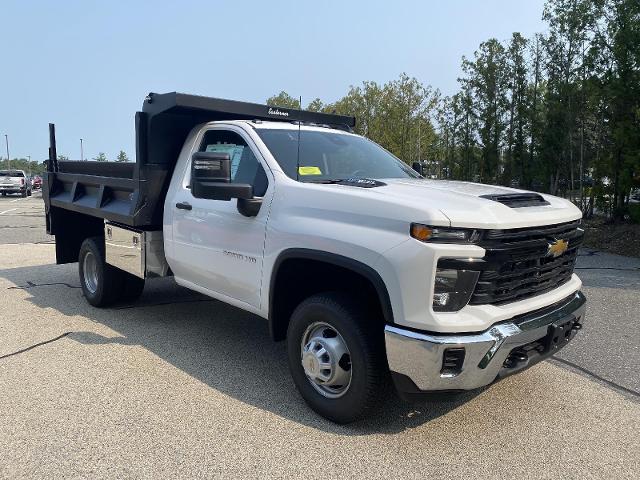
87 65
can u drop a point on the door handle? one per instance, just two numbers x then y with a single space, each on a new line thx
184 206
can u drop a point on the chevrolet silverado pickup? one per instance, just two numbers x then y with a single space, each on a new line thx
369 272
14 181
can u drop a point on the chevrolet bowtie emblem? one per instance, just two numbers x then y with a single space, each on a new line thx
557 248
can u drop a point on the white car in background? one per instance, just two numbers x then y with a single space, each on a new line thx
14 181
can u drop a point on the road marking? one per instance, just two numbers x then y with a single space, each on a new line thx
7 211
20 199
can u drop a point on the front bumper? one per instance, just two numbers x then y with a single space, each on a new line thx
422 362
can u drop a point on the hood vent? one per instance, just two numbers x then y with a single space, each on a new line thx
518 200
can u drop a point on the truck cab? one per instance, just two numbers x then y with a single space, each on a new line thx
365 269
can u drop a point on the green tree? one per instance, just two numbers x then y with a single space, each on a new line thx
284 100
534 120
446 158
364 103
407 109
316 105
569 23
36 168
616 53
517 72
101 157
397 115
487 79
122 157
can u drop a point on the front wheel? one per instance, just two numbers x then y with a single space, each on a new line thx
336 356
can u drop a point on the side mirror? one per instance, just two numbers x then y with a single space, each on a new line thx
249 208
211 178
417 167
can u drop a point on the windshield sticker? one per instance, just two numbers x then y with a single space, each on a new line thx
309 171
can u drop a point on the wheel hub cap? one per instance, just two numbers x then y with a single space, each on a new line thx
326 360
90 269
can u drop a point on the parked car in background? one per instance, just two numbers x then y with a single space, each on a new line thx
37 182
14 181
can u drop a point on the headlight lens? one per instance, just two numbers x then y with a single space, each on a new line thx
453 289
425 233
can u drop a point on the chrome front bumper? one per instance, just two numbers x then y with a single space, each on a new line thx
502 350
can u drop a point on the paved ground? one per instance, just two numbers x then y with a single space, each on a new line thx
175 385
22 220
610 345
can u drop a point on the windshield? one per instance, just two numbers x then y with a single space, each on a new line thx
328 156
6 173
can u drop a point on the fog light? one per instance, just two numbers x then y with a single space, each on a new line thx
441 299
452 289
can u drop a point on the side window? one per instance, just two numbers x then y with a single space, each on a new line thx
245 167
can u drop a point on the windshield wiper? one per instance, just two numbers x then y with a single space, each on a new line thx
326 181
353 182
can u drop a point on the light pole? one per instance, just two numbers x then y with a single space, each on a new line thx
6 141
81 151
29 164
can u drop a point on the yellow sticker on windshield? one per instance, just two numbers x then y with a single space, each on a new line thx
309 171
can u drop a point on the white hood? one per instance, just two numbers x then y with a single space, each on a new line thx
462 204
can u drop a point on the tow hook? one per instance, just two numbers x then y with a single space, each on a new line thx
516 358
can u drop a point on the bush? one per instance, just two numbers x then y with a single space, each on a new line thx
634 213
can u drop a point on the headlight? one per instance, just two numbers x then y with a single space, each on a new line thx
425 233
453 289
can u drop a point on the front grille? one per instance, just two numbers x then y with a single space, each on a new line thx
518 264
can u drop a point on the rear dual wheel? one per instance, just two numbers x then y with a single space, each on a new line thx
103 284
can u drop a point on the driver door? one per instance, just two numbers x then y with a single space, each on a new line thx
218 248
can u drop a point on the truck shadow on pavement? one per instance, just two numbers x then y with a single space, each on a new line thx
224 347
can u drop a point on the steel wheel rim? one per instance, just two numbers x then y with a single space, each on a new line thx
90 270
326 360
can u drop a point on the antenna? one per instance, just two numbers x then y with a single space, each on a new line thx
298 157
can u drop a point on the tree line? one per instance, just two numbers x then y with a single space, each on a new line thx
558 112
37 168
102 157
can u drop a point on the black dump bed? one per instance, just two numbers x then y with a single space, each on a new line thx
133 193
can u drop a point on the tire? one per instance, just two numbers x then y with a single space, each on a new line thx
28 193
133 287
23 193
4 194
102 284
361 332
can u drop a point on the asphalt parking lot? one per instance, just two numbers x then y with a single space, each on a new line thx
179 385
